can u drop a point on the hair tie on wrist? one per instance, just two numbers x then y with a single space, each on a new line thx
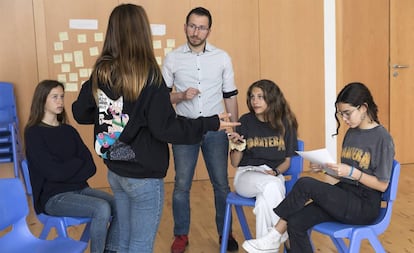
360 176
350 172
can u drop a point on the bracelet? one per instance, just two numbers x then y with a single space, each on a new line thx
360 176
277 172
350 172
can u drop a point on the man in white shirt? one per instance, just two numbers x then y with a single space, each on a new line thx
203 78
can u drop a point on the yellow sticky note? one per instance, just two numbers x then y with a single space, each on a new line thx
171 43
63 36
58 46
83 73
156 44
159 60
93 51
78 55
57 58
68 57
98 37
73 77
61 78
167 50
71 87
65 68
82 38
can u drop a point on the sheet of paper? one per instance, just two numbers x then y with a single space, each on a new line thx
158 29
83 24
320 156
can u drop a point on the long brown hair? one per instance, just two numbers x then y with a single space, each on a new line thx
37 109
127 62
278 110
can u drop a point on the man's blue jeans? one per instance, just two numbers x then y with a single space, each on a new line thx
139 203
214 146
96 204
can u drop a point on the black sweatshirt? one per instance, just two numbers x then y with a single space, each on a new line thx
147 125
58 161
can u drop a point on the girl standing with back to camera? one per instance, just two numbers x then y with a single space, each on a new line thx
129 104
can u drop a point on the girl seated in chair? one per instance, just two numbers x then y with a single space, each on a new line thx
364 174
261 148
60 165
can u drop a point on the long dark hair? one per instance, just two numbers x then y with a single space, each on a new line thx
278 109
37 109
127 60
357 94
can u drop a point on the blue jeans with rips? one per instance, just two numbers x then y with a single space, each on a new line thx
214 146
139 203
96 204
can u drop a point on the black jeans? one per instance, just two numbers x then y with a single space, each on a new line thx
343 202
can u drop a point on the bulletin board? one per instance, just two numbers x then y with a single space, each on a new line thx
70 35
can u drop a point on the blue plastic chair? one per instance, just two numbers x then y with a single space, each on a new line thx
10 144
60 223
13 212
356 233
8 111
234 199
11 147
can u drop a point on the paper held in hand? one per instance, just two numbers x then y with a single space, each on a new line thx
320 156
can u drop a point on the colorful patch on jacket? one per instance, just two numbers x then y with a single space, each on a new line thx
111 123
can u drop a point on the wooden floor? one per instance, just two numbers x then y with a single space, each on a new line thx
204 239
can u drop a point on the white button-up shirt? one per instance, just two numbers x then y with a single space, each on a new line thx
211 72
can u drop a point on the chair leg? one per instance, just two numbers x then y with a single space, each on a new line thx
85 235
340 245
45 232
243 222
60 230
359 235
376 244
26 178
16 160
226 229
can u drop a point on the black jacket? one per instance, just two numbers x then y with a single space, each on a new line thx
58 160
151 124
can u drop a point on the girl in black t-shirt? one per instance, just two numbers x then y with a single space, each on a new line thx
262 147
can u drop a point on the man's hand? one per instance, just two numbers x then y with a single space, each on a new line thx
190 93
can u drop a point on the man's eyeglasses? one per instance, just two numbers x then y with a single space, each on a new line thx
347 114
201 28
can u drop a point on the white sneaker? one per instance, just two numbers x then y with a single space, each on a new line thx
269 243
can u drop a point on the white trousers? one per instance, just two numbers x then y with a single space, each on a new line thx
268 190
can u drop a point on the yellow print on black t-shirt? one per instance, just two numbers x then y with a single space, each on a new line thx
266 142
356 154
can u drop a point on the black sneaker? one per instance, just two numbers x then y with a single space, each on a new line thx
232 244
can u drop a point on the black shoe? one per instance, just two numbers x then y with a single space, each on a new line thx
232 244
